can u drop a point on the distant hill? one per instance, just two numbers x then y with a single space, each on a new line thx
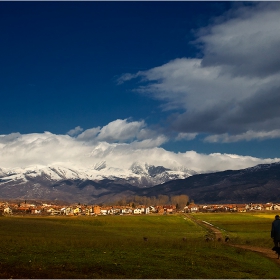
257 184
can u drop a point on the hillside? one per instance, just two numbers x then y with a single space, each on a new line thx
257 184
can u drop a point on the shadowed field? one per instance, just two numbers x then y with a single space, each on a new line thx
136 247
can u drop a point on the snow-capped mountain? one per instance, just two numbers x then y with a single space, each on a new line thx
63 181
139 174
102 183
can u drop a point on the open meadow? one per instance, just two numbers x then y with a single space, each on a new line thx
146 246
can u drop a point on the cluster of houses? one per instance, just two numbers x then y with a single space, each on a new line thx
233 207
77 209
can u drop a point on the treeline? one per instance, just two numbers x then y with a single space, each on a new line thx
179 200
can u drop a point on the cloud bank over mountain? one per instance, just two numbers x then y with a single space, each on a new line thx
231 91
120 143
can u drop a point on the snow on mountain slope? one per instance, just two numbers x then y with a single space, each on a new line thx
97 184
139 174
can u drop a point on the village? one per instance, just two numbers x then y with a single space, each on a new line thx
24 208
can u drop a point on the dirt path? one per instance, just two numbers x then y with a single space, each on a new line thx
219 236
264 251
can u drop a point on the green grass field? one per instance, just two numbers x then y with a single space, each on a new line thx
113 247
243 228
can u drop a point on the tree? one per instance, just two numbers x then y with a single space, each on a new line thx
121 202
180 200
163 199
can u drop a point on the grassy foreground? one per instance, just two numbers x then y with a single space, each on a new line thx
113 247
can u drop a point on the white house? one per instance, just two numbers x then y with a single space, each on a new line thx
69 211
7 211
137 211
268 206
126 211
258 207
103 211
192 208
146 210
276 207
77 211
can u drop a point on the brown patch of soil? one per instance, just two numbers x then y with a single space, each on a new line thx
264 251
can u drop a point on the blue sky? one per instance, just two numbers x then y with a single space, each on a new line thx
60 61
183 76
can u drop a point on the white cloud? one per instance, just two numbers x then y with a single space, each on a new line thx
247 136
73 132
185 136
124 131
9 138
184 83
89 134
47 149
40 148
125 77
120 130
150 143
247 41
234 88
219 162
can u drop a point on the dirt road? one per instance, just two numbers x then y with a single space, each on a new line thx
218 235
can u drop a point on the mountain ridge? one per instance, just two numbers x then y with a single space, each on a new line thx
103 184
100 183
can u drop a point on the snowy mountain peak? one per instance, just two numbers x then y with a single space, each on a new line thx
140 174
138 168
146 169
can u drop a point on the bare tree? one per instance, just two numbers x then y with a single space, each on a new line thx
180 200
163 199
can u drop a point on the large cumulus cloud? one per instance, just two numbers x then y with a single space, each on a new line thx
122 131
234 88
141 144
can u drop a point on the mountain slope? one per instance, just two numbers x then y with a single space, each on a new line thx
99 184
257 184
